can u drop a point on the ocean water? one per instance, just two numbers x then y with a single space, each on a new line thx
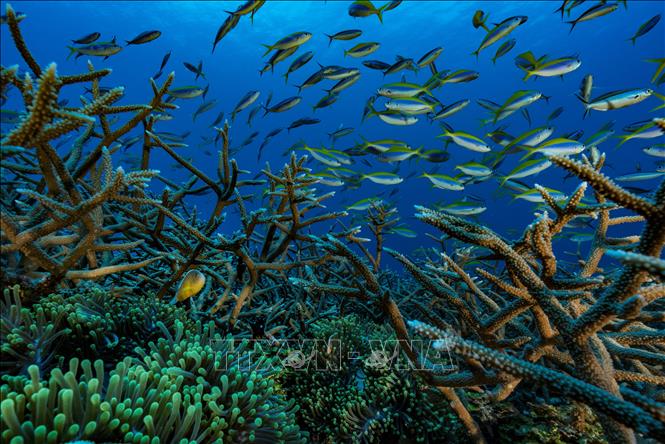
410 30
118 317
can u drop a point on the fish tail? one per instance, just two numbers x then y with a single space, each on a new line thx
484 26
475 53
72 50
632 40
286 78
268 49
527 76
547 98
330 39
379 12
624 139
572 25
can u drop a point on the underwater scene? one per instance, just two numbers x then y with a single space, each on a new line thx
332 222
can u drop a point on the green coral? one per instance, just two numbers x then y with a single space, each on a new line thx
180 391
85 323
362 402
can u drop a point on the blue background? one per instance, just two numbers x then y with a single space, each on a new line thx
410 30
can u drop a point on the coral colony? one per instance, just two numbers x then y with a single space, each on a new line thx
129 317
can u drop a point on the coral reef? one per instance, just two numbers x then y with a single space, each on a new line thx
90 259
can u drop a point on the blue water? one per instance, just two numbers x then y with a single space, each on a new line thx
410 30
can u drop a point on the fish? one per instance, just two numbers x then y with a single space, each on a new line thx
311 80
396 118
365 204
227 26
410 106
479 19
451 109
383 178
504 49
339 133
246 100
99 49
400 65
615 100
462 208
586 86
444 182
362 49
217 120
10 117
338 73
435 156
93 36
554 114
278 56
165 60
325 101
546 68
401 90
191 285
516 101
348 34
644 130
369 107
474 169
500 31
533 195
645 27
290 41
376 64
249 139
343 84
466 140
429 57
556 147
254 111
638 177
402 231
528 168
282 106
655 150
365 8
249 7
595 11
303 121
144 37
661 67
205 106
185 92
198 70
532 137
391 5
298 63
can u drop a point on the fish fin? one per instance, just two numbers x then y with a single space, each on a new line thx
572 25
72 50
268 49
113 40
